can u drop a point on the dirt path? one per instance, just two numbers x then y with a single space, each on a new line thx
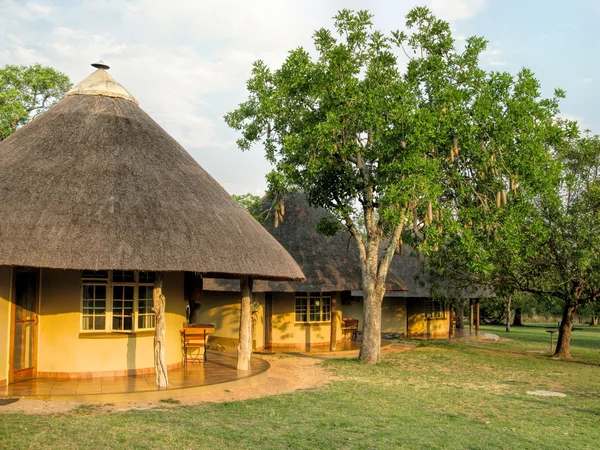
288 373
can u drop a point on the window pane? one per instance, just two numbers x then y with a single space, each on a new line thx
99 323
146 277
301 315
86 323
88 291
118 292
93 307
128 292
95 274
326 308
123 276
315 310
100 292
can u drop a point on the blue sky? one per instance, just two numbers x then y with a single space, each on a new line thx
187 61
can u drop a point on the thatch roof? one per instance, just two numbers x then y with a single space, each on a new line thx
95 183
329 263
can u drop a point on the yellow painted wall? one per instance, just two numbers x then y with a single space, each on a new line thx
62 348
420 326
222 309
288 333
393 314
5 273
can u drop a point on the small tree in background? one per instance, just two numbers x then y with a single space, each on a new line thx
251 203
26 91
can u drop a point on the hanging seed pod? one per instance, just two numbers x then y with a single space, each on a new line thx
403 144
282 209
415 220
498 199
276 224
429 212
513 185
504 197
437 215
483 147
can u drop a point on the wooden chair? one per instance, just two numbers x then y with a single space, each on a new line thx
195 337
350 327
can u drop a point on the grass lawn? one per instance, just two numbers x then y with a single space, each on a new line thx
439 395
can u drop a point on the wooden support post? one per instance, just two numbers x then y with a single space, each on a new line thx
333 335
245 345
162 379
470 317
477 316
451 319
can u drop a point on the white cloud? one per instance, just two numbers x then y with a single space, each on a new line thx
585 80
454 10
493 55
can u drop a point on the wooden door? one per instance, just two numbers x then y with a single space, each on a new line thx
268 319
24 324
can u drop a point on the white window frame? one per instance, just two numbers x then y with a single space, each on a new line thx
324 316
108 314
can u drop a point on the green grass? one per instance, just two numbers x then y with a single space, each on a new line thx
439 395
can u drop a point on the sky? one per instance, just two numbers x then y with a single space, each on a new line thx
187 61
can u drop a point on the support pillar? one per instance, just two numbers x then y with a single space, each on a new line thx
471 313
477 317
333 335
245 345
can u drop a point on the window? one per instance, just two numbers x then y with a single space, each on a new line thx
435 309
118 300
313 307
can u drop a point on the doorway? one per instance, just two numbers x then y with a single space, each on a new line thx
24 324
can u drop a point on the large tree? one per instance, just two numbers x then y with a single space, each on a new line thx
389 144
26 91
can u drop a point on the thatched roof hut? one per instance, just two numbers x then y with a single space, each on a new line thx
95 183
329 263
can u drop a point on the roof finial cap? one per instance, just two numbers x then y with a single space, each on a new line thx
100 65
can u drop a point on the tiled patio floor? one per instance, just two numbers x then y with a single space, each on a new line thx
220 368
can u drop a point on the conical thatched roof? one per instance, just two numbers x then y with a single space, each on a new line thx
329 263
95 183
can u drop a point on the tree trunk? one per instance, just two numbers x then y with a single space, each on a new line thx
508 302
245 345
517 320
162 379
563 343
594 322
370 347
